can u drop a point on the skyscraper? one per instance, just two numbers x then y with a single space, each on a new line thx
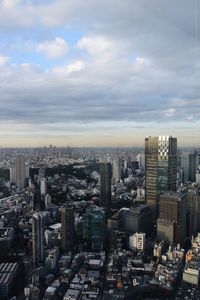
116 169
171 225
67 228
94 227
20 171
38 238
105 181
160 169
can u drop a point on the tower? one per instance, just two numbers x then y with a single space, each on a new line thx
38 238
20 171
94 227
171 225
116 169
105 181
67 228
160 169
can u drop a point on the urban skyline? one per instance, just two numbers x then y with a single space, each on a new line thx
73 74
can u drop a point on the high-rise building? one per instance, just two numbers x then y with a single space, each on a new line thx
160 169
136 219
193 211
171 225
38 238
67 228
188 165
105 181
198 175
20 171
43 186
94 227
116 169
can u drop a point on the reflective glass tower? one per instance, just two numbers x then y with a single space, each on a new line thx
160 169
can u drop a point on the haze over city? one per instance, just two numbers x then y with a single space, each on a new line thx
85 74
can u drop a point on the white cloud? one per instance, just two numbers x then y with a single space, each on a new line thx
95 44
170 112
76 66
3 60
53 49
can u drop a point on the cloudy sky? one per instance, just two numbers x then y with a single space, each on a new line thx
99 73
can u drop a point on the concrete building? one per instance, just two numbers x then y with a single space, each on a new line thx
136 219
116 169
6 238
43 186
137 241
67 228
171 225
188 165
20 171
193 211
94 227
105 184
198 175
8 274
160 169
38 239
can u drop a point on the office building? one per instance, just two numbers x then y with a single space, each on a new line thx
105 182
137 241
94 227
43 186
67 228
188 165
171 225
160 169
116 169
20 171
6 238
38 240
136 219
8 278
198 175
193 211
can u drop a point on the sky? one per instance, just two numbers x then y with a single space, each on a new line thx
99 73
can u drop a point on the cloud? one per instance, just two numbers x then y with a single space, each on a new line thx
3 60
53 49
135 61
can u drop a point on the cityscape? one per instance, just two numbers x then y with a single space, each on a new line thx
99 150
100 223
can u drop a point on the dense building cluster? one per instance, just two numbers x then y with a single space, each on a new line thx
80 224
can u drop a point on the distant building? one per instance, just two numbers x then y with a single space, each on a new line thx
116 169
43 186
193 211
160 169
72 295
6 238
198 175
20 171
105 182
136 219
8 275
38 239
94 227
137 241
188 165
67 228
171 225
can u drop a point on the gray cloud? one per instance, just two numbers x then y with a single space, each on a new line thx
138 61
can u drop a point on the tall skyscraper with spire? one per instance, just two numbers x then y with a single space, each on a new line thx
160 169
